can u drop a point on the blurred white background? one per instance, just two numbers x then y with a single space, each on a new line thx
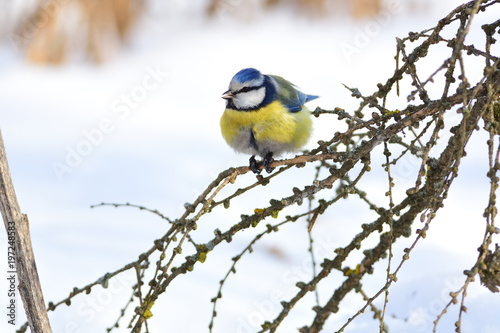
142 126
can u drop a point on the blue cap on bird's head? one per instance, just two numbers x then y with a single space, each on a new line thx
248 75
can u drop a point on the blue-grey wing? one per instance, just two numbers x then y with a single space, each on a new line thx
290 97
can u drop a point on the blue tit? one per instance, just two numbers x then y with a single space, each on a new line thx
265 115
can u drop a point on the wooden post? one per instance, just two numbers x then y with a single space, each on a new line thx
18 233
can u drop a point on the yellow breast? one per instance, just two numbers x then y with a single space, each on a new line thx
272 123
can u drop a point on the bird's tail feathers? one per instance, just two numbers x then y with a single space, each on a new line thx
310 98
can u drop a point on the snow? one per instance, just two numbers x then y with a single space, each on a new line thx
144 128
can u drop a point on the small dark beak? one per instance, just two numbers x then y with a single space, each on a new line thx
227 95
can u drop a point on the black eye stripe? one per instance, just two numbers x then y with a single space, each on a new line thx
247 89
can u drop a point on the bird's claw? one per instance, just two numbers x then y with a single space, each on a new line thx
254 165
268 159
266 162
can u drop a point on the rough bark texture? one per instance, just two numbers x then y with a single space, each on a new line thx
17 223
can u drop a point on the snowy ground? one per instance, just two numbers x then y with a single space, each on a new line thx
74 140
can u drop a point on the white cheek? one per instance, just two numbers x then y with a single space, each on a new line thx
250 99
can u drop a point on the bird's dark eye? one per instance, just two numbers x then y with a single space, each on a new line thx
245 89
